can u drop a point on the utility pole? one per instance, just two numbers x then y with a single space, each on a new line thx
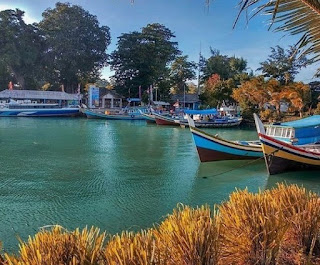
184 96
199 70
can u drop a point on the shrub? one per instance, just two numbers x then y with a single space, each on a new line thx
59 246
190 236
132 249
252 227
274 227
317 110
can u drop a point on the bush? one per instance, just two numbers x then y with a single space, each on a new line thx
273 227
59 246
317 110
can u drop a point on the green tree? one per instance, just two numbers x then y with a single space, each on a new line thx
142 58
181 71
298 17
283 65
21 47
226 67
76 45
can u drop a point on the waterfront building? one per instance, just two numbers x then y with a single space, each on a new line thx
187 101
39 96
112 100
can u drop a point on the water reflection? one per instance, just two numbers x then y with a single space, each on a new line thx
113 174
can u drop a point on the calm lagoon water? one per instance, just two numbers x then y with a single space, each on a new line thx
116 175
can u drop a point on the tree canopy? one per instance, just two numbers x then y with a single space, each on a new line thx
142 58
21 47
226 67
282 64
75 44
182 70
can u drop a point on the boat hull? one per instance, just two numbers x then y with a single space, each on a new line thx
281 157
162 120
61 112
218 124
212 148
95 115
149 118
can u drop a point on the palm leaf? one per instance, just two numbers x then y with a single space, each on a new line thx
298 17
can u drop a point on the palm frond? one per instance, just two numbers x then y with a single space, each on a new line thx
298 17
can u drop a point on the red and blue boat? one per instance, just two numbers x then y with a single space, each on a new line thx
291 145
213 148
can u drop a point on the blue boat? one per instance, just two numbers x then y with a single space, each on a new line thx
213 148
14 109
298 132
130 115
290 146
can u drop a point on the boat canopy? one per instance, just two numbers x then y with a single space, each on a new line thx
306 122
299 132
202 112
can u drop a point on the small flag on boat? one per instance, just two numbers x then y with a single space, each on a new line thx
10 85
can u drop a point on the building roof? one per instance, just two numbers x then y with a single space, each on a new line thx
161 103
113 93
38 94
190 98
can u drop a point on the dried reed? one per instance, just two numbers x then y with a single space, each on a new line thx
58 246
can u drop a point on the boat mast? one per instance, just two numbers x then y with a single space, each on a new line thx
199 70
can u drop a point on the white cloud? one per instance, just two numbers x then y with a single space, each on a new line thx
27 17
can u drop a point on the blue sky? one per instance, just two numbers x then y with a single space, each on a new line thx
191 21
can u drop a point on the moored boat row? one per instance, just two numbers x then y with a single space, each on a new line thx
284 146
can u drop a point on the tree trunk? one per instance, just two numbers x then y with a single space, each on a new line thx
19 78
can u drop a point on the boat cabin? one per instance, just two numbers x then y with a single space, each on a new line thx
299 132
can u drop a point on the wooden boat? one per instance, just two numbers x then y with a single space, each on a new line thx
213 148
150 118
280 155
167 120
97 115
216 122
211 118
219 123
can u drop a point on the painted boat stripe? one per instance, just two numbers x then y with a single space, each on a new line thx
311 156
226 142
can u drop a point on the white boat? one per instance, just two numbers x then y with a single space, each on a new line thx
21 109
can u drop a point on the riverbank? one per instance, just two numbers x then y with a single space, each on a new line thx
277 226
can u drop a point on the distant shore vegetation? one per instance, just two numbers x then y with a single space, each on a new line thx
272 227
68 48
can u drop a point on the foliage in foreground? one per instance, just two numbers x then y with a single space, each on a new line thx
277 226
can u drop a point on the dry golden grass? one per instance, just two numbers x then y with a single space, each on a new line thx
252 228
132 249
58 246
189 236
280 226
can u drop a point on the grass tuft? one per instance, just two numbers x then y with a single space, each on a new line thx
273 227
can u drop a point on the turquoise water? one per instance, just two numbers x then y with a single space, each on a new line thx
117 175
